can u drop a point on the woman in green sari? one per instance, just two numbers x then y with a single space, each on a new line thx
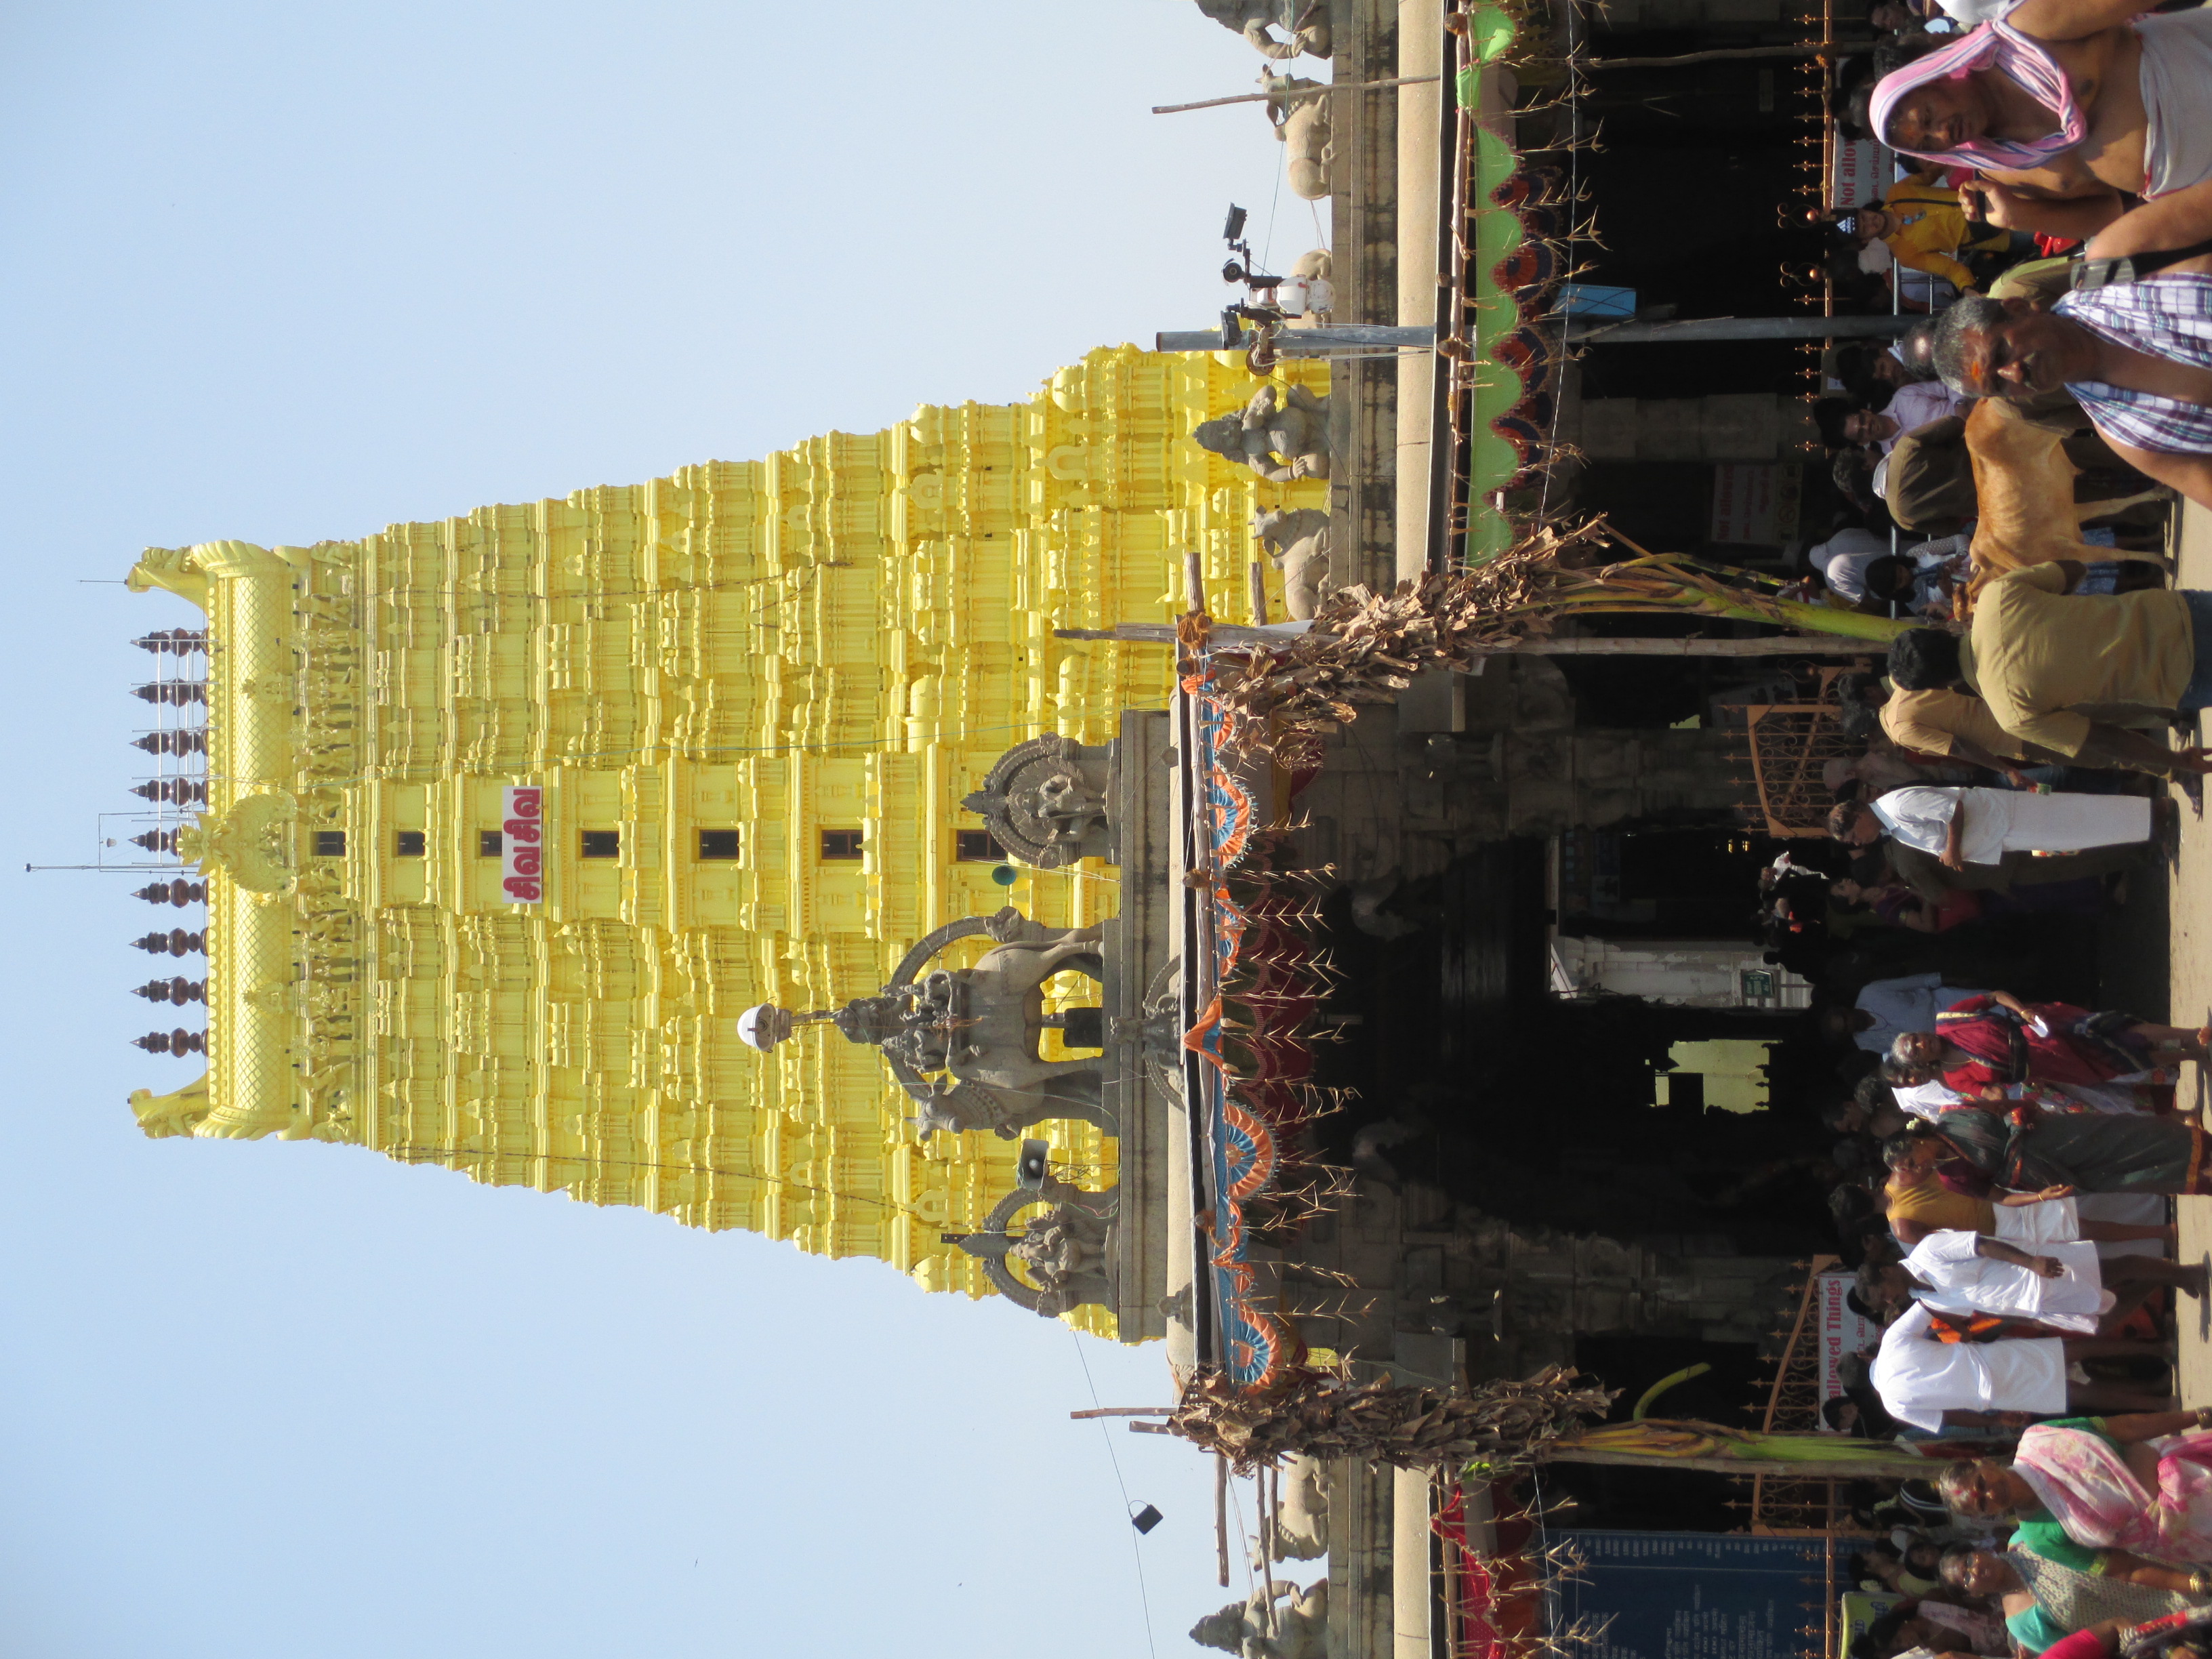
2051 1586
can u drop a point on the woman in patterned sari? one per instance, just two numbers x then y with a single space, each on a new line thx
2140 1482
2028 1150
2051 1586
1985 1044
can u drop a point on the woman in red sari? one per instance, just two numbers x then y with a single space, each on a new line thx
1983 1045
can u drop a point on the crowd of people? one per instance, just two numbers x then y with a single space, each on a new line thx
2007 1156
2055 229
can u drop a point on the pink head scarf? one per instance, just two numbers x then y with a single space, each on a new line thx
1994 45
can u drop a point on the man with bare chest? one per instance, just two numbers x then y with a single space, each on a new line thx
2068 108
2138 356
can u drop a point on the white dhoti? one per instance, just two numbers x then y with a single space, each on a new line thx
2176 83
1962 1279
1920 1377
2051 1221
2068 824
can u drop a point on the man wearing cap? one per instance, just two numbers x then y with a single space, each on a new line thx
2055 666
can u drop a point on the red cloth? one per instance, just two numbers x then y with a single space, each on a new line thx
1984 1030
2081 1645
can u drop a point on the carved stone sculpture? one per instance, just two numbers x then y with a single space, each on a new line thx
1298 542
1300 1528
979 1026
1300 1625
1045 800
1068 1250
1279 435
179 1113
1304 21
1302 124
251 842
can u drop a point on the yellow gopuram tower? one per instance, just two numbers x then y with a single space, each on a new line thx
750 697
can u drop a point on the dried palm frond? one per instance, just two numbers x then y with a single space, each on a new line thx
1324 1414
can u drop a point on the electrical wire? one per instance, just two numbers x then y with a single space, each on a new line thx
1136 1549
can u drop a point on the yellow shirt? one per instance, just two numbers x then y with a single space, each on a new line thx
1936 231
1938 1208
2040 656
1928 721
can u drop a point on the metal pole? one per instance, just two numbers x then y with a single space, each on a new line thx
1304 342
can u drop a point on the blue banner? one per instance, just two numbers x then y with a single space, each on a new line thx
1697 1594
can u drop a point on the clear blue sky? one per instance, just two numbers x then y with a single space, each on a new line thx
290 272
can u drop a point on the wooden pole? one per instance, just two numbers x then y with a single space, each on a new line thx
1903 1466
1127 1411
1320 91
1193 587
1255 579
1835 48
1230 636
1221 1515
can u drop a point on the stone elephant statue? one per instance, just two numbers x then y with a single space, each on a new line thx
1298 543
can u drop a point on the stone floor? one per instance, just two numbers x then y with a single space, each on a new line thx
2190 994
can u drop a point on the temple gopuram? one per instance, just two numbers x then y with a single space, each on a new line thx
501 822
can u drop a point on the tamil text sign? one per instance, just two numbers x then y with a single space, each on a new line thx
522 845
1840 1331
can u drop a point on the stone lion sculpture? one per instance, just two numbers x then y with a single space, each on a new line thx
1298 543
1305 22
1301 1624
1045 800
1281 434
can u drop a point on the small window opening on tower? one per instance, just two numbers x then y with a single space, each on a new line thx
841 843
602 843
409 844
330 843
718 843
491 844
976 847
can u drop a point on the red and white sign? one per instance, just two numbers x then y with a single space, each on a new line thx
1743 503
1861 172
522 845
1840 1331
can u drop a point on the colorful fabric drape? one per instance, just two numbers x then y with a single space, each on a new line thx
2079 1047
2073 1600
2020 60
2084 1480
2091 1152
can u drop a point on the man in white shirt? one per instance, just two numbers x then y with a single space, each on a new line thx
2061 1284
1843 558
1963 825
1909 408
1920 1376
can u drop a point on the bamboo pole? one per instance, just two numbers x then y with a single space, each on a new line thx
1221 1515
1837 48
1292 97
1126 1411
1256 578
1230 636
1903 1466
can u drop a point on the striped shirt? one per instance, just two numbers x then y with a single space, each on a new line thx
2169 315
